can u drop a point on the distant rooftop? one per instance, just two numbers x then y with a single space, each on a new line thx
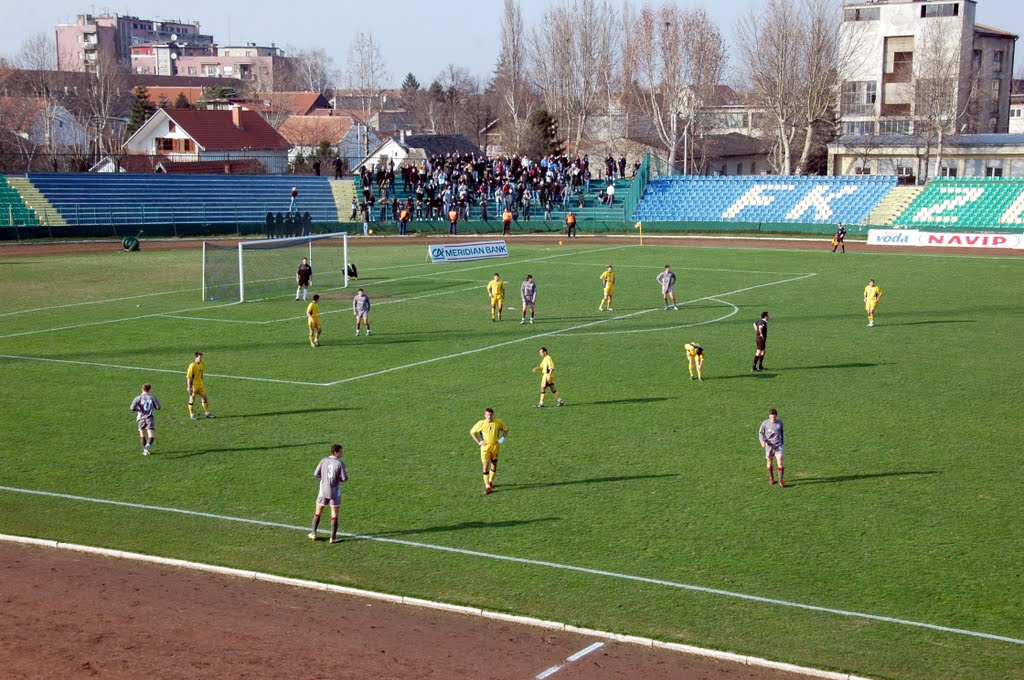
961 141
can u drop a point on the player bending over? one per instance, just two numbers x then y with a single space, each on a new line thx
695 359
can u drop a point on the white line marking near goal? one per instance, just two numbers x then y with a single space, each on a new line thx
733 312
536 563
528 338
575 657
109 321
99 302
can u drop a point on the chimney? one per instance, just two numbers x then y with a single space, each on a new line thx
401 136
236 116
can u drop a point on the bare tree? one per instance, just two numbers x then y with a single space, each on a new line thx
37 53
943 90
675 58
103 105
510 77
821 62
313 69
367 72
566 61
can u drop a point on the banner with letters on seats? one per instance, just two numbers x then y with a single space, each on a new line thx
462 252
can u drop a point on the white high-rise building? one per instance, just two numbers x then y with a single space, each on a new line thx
910 63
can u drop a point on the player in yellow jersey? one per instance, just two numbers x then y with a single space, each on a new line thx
313 321
489 434
872 294
195 387
496 291
608 284
547 377
695 358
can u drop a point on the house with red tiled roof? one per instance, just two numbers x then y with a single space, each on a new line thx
219 135
292 103
346 136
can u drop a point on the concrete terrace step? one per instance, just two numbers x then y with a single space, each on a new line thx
34 199
344 190
893 205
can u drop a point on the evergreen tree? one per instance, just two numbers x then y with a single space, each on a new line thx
164 102
181 102
542 136
410 84
141 110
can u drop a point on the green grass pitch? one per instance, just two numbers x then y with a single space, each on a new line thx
903 495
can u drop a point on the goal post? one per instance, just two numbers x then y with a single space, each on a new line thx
258 270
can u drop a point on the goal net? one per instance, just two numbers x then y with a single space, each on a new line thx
256 270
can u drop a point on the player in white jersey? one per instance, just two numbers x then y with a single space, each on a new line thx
529 293
144 406
667 279
331 472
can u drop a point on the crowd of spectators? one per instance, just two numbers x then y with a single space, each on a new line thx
526 188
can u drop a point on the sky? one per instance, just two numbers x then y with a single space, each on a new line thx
418 37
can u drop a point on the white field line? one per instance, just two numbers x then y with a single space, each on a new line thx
733 312
681 269
99 302
424 361
536 563
109 321
528 338
160 370
575 657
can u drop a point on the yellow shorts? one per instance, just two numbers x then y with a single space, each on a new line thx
198 390
313 324
498 300
489 452
870 306
693 356
609 290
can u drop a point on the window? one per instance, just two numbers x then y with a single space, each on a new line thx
905 167
898 126
948 170
995 85
949 9
993 168
858 97
164 144
186 145
862 167
861 14
171 127
858 127
997 59
739 168
211 69
228 70
729 119
1016 113
192 71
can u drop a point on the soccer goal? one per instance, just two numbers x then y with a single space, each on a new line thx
256 270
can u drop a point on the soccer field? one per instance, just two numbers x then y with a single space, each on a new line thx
641 507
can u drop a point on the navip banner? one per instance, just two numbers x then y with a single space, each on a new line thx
461 252
913 237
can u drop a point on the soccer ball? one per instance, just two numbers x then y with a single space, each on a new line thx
561 243
371 231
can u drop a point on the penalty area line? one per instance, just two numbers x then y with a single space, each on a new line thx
540 563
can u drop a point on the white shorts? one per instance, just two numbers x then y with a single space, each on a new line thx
769 451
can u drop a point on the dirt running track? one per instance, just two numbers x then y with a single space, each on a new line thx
28 248
75 615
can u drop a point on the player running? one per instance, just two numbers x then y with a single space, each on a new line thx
529 294
667 279
695 359
361 310
496 292
872 294
144 406
489 434
547 377
195 387
313 321
608 286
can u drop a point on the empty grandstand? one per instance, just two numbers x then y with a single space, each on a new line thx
987 203
139 199
774 199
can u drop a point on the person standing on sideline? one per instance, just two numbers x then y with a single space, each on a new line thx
403 221
872 294
695 358
529 293
608 284
839 240
667 279
771 437
331 472
496 292
195 387
489 434
313 321
547 377
144 406
760 340
361 310
303 277
570 225
453 222
506 222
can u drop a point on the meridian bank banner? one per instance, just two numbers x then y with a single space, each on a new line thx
461 252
